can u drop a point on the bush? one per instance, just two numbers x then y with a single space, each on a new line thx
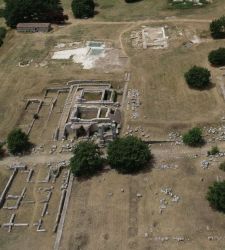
128 155
217 57
36 116
215 150
18 141
222 166
86 160
217 28
216 196
198 77
193 137
83 8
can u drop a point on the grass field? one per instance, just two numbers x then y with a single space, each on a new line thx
97 219
103 217
167 101
119 10
18 83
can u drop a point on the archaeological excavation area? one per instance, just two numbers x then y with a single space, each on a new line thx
32 204
97 80
87 109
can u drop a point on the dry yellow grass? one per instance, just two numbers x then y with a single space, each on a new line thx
167 101
120 221
19 83
96 220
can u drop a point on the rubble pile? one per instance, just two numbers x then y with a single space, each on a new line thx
133 102
173 197
192 2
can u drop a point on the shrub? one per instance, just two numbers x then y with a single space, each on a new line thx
128 154
217 57
198 77
217 28
222 166
216 196
83 8
86 160
193 137
214 150
36 116
18 141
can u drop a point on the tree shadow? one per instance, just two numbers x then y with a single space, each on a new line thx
208 87
198 145
132 1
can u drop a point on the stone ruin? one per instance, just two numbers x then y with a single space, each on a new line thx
190 2
90 110
53 172
173 197
149 37
133 102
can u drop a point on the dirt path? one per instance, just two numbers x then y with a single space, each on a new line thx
133 24
163 149
35 159
186 20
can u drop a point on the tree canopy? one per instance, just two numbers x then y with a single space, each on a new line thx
216 196
193 137
128 154
217 28
86 160
17 11
217 57
198 77
83 8
18 141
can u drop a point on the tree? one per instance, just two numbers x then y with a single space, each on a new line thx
198 77
128 154
17 11
86 160
83 8
193 137
217 28
216 196
18 141
217 57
